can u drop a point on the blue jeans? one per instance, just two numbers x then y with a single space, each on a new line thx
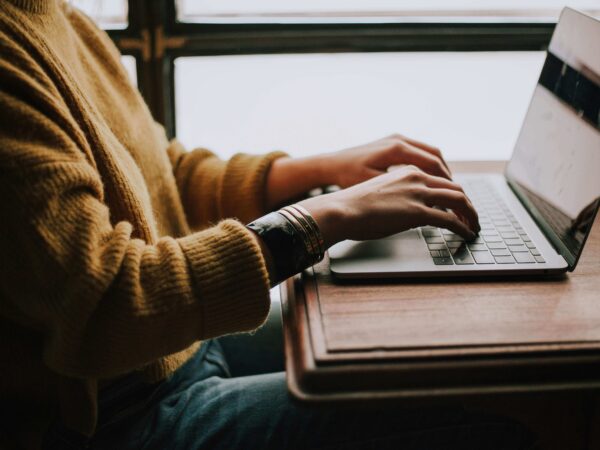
207 405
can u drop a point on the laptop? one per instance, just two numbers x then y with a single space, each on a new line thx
535 218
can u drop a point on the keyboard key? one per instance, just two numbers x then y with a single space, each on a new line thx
428 232
461 256
496 245
485 233
524 258
483 257
500 252
477 247
513 241
540 259
518 249
436 246
443 261
505 259
530 244
525 238
505 229
454 244
509 235
534 251
434 240
492 238
444 252
453 237
435 253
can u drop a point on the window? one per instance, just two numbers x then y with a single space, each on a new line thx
109 14
314 75
130 65
469 104
231 11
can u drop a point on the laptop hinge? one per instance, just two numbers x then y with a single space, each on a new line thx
546 229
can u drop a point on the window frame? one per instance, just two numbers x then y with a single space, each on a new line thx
156 38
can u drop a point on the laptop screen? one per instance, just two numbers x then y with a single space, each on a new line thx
555 167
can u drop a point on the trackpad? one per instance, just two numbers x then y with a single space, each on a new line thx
407 247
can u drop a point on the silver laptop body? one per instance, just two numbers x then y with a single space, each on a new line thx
536 217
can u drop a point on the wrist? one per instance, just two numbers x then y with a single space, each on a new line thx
316 171
290 178
329 215
324 169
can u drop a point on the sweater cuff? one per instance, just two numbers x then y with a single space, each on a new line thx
243 193
230 278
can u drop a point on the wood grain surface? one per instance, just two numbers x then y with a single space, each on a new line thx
500 345
404 335
383 317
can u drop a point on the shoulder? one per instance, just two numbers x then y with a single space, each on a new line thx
23 71
36 124
94 37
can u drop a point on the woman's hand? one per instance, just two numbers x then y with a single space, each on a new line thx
357 164
393 202
292 177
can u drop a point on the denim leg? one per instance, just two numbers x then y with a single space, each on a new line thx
258 352
256 412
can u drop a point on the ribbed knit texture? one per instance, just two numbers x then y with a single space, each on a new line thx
114 255
35 6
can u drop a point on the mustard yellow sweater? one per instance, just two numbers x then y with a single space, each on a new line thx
103 269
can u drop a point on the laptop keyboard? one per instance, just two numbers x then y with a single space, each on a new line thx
501 240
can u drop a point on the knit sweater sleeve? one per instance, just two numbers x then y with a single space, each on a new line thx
213 189
102 301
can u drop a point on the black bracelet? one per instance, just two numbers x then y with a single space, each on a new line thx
286 244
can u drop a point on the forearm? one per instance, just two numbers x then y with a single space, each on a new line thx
289 178
212 189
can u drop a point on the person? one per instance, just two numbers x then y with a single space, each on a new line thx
123 256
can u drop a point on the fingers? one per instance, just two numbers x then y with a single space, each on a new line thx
409 154
437 191
429 149
441 183
436 152
447 220
457 202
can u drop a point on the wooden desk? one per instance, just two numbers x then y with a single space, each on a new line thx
382 340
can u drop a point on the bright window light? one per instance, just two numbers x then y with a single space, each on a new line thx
129 63
109 14
375 10
470 104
